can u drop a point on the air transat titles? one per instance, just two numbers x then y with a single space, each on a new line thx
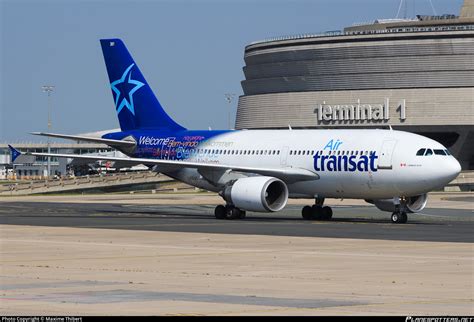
349 163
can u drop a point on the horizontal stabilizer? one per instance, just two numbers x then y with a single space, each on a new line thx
20 158
79 138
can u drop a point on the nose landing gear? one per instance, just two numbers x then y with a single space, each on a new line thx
399 217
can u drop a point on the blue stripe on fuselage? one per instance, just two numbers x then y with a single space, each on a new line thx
169 145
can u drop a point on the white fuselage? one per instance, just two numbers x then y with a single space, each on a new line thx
395 170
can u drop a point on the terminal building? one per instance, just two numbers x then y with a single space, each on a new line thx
58 167
414 75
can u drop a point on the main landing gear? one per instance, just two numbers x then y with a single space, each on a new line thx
229 212
317 211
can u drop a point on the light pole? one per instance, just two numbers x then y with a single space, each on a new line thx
229 98
48 89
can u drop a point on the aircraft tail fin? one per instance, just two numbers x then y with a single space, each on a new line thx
18 157
136 105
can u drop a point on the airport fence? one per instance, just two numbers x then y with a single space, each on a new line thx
72 184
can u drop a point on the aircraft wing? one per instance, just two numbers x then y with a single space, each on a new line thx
288 174
114 143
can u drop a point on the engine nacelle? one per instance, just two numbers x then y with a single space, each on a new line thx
263 194
411 204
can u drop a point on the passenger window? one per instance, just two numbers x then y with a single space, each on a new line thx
439 152
429 152
421 152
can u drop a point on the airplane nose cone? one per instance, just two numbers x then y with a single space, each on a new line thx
456 168
452 169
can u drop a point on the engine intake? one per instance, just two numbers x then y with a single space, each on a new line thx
263 194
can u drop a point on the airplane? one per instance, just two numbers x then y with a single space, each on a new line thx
259 170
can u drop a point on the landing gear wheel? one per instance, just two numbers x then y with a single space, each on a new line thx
220 212
316 212
399 217
326 213
404 218
395 217
306 212
234 213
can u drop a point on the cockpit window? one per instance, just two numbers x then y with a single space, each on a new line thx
429 152
447 152
421 152
439 152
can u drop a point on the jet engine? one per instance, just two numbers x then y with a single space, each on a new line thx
412 204
263 194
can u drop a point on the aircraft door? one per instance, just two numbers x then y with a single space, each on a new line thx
386 154
284 155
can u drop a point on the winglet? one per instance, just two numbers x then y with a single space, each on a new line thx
15 153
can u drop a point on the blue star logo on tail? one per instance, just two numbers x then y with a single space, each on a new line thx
124 88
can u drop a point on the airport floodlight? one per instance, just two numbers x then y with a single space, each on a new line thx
48 89
229 98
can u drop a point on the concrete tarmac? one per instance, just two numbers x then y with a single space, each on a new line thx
166 254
